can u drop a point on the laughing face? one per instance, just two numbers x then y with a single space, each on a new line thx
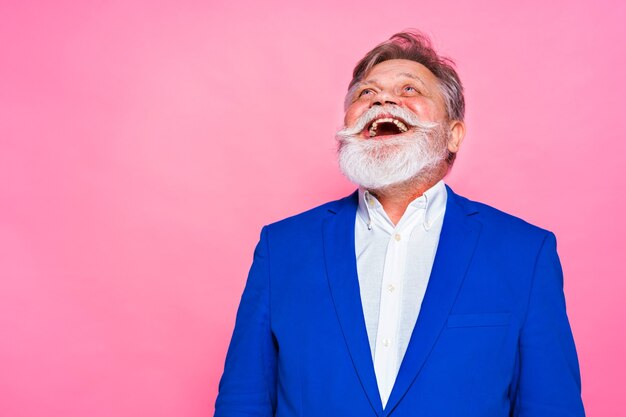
396 127
400 82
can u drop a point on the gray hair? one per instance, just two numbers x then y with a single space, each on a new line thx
415 46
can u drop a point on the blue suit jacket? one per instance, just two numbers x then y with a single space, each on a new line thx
492 338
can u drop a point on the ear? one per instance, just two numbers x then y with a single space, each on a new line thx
457 133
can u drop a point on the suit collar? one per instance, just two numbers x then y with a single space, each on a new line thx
458 239
457 242
339 255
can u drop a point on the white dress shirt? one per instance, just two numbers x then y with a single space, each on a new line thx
393 265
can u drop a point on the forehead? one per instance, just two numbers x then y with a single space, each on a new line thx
397 68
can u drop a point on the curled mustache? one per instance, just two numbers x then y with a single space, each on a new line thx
378 111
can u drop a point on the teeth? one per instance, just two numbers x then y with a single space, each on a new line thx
396 122
400 125
376 122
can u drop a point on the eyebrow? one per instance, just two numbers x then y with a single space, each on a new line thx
413 77
402 74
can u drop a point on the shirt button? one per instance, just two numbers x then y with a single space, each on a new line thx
385 342
391 288
397 237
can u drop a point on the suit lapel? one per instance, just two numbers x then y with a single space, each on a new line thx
459 235
339 252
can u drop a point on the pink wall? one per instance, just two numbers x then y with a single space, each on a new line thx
142 148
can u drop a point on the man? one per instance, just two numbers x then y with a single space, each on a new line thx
404 298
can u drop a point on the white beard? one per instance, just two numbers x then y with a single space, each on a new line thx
377 164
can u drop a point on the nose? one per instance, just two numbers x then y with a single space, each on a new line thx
384 98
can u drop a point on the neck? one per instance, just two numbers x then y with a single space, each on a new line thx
396 198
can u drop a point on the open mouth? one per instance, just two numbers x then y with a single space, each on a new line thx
386 126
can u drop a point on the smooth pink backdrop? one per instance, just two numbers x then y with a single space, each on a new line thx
143 146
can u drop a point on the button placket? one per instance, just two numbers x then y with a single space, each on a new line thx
386 353
393 286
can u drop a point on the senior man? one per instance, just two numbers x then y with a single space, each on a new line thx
403 298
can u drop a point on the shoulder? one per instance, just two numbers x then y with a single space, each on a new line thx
313 217
497 221
506 242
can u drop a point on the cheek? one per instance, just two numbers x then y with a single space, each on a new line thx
353 113
425 110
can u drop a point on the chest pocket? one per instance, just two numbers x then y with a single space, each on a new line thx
478 319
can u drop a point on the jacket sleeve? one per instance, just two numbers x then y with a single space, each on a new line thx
248 385
549 376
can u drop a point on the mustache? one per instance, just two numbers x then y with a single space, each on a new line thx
394 111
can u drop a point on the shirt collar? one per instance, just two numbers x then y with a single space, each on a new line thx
433 201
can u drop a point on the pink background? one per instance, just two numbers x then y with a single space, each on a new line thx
143 147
